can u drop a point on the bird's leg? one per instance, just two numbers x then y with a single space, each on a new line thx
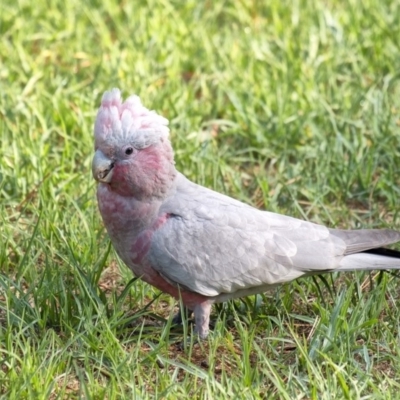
177 319
202 318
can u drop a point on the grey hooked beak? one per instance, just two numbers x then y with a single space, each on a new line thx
102 167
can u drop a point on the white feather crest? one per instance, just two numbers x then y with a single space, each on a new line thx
128 120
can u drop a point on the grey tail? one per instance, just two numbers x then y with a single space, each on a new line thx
374 259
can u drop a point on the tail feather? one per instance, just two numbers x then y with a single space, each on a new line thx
361 240
378 259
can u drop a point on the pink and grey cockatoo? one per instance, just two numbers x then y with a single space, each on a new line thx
196 244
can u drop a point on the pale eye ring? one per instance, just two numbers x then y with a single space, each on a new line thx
128 151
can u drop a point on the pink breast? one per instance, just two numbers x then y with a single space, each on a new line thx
142 244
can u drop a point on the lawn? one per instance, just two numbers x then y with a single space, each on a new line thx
290 106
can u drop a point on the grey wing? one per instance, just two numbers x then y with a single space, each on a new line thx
213 244
211 259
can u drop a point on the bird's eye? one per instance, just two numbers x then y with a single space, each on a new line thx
129 151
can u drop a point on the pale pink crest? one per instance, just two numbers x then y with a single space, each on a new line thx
129 120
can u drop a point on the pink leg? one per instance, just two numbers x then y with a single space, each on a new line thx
202 318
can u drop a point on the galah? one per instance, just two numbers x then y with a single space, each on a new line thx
198 245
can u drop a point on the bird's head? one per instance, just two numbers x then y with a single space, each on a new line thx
133 154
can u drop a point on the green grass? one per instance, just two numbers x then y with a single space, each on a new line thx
289 106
